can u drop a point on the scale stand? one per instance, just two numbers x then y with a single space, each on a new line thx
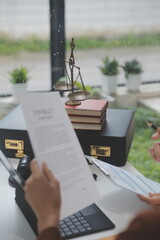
75 96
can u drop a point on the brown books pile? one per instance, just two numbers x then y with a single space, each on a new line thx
89 115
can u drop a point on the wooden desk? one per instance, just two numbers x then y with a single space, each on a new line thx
118 204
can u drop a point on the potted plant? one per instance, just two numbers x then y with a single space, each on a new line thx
19 78
133 70
110 72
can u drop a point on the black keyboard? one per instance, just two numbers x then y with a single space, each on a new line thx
75 226
89 220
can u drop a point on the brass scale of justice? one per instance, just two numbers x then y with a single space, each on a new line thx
75 96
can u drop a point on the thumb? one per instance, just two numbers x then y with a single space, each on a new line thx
154 194
155 136
34 167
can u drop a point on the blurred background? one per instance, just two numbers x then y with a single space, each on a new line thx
120 29
36 34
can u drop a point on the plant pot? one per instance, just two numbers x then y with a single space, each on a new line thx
133 82
109 84
18 88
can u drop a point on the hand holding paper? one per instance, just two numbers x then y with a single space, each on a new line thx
55 142
135 183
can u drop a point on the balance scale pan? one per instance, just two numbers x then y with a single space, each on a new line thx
79 95
63 87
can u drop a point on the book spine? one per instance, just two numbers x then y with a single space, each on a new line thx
87 119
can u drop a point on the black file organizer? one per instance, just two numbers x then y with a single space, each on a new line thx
112 143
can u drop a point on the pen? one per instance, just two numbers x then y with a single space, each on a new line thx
150 124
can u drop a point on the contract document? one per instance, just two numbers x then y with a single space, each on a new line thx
122 178
54 141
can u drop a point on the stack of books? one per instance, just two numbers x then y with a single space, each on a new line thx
89 115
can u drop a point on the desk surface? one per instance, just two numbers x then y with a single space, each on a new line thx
118 204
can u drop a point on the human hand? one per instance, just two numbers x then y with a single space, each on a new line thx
155 151
152 199
155 136
42 192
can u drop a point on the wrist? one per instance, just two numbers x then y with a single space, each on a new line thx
48 221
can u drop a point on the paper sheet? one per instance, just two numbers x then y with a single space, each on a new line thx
54 141
122 178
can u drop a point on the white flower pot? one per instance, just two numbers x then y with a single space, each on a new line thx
109 84
133 82
18 88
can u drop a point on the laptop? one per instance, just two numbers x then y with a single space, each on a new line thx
88 220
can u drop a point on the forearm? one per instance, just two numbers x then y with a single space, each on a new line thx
47 219
144 226
51 233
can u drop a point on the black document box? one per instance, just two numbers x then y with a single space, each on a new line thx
111 144
14 139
